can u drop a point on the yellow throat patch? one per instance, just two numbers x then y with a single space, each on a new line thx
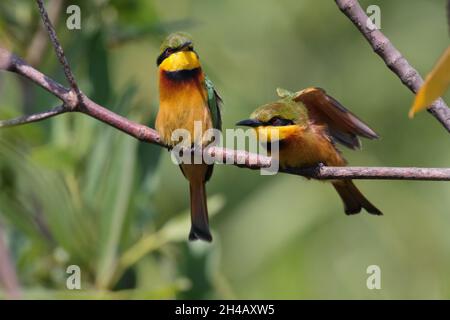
271 133
182 60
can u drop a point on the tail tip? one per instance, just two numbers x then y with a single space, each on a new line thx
372 210
352 211
375 212
196 234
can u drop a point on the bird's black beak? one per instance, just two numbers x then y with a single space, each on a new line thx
250 123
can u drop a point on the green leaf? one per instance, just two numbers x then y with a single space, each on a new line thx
114 206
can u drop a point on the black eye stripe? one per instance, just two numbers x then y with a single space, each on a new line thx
279 122
161 58
168 52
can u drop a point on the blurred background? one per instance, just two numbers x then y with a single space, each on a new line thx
74 191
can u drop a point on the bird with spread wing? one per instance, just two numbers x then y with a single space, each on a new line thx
308 125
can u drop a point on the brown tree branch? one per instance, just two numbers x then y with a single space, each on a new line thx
375 173
71 103
10 62
392 57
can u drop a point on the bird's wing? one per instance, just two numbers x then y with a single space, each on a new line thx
343 126
214 104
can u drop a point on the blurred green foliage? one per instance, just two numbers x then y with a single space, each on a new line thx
74 191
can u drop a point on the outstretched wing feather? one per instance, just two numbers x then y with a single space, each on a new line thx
342 124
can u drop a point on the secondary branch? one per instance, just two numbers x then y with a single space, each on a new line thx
393 59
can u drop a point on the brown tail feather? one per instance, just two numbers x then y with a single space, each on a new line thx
199 213
353 199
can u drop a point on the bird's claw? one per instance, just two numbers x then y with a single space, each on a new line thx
320 165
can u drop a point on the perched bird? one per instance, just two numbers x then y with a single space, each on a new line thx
187 96
308 125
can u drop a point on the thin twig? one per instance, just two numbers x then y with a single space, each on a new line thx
58 49
392 57
38 44
33 117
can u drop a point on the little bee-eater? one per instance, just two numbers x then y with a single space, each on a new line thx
186 96
307 125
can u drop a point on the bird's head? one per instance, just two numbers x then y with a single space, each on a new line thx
177 53
279 119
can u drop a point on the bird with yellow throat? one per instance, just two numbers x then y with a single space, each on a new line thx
187 97
307 126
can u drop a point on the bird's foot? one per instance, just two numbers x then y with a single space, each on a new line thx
307 172
320 165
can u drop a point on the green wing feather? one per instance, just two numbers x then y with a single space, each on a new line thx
214 104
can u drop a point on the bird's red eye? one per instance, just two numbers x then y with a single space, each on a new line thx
278 122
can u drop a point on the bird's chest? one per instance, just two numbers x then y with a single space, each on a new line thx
183 110
307 149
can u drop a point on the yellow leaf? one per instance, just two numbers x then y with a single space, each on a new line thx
436 83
